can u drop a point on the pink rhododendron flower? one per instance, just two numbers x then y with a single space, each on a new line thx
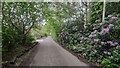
110 25
115 43
95 31
110 42
114 17
106 30
95 40
105 52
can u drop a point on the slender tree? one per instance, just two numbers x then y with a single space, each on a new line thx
104 5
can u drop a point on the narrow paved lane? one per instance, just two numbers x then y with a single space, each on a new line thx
49 53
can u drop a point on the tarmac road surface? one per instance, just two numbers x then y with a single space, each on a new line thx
49 53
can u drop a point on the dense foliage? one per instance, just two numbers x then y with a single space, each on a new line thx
99 43
102 41
18 19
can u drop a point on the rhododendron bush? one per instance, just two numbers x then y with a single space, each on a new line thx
99 43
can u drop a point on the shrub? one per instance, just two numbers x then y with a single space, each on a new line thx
99 43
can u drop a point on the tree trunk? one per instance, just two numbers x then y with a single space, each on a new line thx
103 17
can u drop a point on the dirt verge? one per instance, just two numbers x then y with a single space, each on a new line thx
18 59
